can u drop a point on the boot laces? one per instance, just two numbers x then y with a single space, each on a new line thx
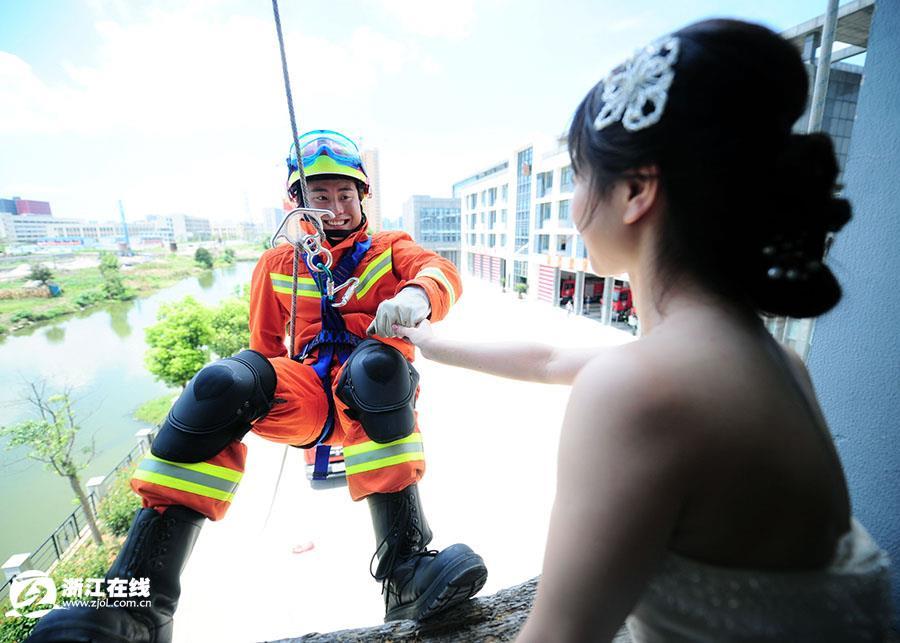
414 531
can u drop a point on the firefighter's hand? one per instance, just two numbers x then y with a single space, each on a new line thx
407 308
418 335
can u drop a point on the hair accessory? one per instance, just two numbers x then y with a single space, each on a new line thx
635 92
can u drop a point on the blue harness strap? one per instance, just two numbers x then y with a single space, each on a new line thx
332 341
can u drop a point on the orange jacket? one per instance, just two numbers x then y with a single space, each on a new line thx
393 261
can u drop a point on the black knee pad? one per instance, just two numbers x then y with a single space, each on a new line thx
379 385
216 407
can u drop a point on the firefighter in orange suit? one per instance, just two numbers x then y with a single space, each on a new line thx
351 383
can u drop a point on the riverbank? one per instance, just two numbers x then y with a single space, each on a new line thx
141 275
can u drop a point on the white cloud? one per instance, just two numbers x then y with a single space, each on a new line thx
433 18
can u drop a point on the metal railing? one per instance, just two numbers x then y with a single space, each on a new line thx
75 525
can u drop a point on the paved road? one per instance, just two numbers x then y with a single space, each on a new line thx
491 447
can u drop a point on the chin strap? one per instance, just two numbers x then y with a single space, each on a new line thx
336 236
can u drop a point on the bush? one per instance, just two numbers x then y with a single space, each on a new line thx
154 411
41 273
228 255
117 509
89 561
14 630
203 257
89 298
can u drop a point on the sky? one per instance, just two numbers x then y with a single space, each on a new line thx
179 105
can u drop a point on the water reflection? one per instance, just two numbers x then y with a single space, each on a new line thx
206 279
100 351
55 334
118 319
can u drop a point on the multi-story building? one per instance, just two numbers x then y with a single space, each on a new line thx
434 223
188 228
516 219
372 203
517 227
271 218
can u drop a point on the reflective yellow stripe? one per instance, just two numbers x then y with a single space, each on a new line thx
182 485
204 467
438 274
385 462
306 286
365 447
300 280
301 292
376 269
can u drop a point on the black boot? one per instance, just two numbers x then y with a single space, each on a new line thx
417 582
157 548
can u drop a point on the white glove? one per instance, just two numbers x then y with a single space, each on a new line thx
407 308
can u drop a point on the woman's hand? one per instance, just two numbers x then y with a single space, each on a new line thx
419 335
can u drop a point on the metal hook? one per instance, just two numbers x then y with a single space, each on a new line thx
350 285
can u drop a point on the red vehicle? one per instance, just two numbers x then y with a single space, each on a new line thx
593 291
621 303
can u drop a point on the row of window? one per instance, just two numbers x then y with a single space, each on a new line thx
544 186
488 197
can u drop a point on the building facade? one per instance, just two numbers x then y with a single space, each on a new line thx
434 223
517 230
372 203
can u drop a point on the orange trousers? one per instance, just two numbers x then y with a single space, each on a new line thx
297 418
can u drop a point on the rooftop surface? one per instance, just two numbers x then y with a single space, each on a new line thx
491 449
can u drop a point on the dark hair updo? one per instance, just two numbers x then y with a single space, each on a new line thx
749 204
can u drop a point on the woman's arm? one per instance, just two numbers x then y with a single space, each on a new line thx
622 475
529 361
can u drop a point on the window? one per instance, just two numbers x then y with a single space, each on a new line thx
504 192
492 219
566 179
492 196
565 219
482 218
472 201
543 214
472 221
492 238
544 183
503 217
483 197
542 244
482 239
563 243
580 250
502 240
471 239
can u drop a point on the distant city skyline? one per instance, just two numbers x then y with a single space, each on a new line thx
180 106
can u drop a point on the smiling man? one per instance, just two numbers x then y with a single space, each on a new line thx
352 384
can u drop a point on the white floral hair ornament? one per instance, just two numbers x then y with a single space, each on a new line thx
641 82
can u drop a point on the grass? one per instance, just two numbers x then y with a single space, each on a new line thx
154 411
82 289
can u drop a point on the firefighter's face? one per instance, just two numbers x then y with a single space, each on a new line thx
341 197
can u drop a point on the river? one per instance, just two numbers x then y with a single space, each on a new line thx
100 353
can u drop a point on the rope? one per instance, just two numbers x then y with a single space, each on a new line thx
303 194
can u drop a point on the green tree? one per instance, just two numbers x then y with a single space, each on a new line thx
50 439
113 287
40 272
178 342
230 329
228 255
203 257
